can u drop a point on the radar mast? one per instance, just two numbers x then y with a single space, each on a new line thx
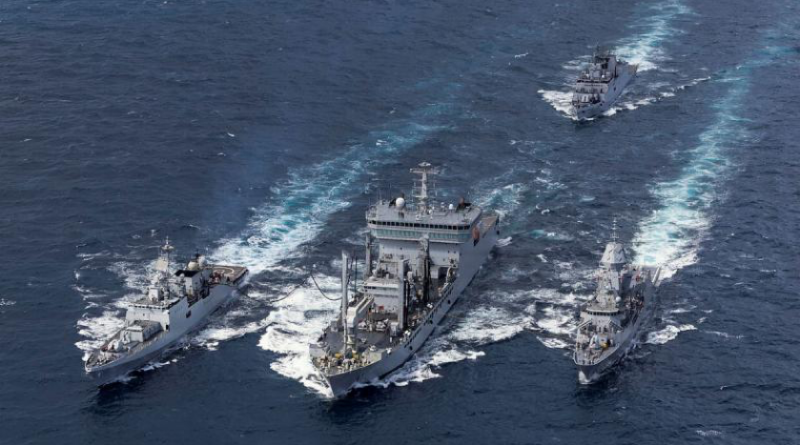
422 190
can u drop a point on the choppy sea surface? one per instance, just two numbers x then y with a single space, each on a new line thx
259 132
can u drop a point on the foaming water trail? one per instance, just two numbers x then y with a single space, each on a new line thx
437 352
670 236
645 47
560 100
546 312
658 94
484 325
667 334
479 327
294 323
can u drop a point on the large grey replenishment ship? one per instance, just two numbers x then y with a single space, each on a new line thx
175 304
609 323
598 87
427 253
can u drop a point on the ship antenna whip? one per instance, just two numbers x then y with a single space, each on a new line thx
614 230
166 249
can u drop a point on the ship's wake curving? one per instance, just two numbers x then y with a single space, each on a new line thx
671 236
645 48
304 202
657 92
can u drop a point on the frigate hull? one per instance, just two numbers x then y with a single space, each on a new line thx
590 111
190 319
113 372
589 374
343 382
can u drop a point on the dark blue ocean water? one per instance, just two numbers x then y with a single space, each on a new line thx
261 130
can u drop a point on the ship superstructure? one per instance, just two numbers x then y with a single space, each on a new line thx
175 303
599 86
610 321
419 258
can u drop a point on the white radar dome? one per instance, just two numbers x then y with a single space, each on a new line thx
400 203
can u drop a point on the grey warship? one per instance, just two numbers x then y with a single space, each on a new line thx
623 301
427 254
598 87
175 303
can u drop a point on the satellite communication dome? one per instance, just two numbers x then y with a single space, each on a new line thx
400 202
